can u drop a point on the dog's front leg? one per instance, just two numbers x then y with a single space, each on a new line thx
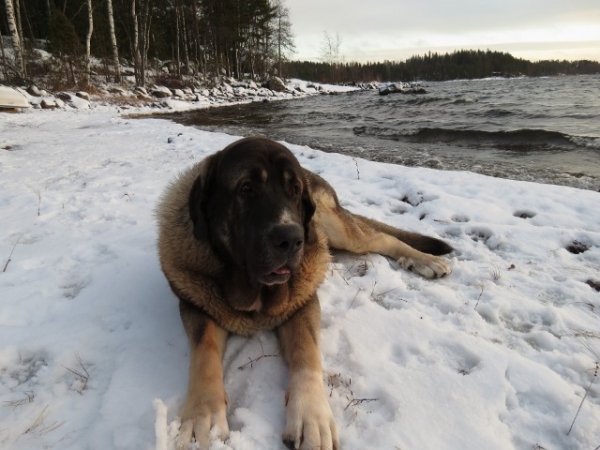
309 422
206 401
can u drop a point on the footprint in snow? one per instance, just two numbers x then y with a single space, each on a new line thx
524 214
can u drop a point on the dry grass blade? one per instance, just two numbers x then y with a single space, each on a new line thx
11 252
584 397
39 429
14 404
38 422
82 375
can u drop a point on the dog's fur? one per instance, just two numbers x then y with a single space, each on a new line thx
244 240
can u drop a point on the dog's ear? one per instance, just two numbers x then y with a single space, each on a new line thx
308 211
197 206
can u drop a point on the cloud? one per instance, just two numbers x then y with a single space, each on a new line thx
386 27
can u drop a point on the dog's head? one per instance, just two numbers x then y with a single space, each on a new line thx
253 206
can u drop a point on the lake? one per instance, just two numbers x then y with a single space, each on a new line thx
545 130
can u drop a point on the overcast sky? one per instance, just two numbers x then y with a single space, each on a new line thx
376 30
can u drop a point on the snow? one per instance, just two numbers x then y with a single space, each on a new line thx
499 355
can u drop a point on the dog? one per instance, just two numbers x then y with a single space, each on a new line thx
244 239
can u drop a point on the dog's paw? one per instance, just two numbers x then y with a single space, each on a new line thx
427 266
198 418
309 421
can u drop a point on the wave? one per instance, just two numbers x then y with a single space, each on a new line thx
515 140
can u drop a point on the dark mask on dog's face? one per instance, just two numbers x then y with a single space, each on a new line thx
256 211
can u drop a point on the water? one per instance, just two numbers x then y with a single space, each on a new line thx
545 130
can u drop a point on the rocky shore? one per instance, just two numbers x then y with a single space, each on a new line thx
160 98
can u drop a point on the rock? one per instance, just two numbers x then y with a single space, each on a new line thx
276 84
83 95
64 96
48 103
161 92
391 88
33 90
179 93
141 89
116 90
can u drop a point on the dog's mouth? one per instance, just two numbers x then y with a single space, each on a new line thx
278 276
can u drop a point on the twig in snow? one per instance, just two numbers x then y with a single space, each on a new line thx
584 397
39 200
252 361
480 294
11 252
354 298
359 401
357 172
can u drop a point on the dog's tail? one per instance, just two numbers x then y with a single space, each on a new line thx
417 241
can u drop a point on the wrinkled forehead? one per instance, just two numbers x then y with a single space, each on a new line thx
258 159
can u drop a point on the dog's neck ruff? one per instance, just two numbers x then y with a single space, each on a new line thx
297 292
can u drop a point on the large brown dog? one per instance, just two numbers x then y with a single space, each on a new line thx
244 243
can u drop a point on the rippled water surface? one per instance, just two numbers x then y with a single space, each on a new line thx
536 129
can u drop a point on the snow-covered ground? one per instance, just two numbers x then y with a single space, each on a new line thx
502 354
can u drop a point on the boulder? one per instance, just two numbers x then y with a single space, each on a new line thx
161 92
83 95
48 103
116 90
276 84
33 90
64 96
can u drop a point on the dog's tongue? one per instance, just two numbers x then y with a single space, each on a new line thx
282 270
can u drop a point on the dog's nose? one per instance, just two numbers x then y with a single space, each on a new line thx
287 239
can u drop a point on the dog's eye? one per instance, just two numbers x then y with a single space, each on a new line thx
246 188
296 190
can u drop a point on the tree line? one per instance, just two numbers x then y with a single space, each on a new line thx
463 64
201 39
196 37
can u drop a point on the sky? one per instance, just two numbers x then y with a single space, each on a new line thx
395 30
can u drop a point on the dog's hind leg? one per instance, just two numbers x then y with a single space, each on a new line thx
357 234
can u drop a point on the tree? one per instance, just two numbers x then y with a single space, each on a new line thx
64 43
113 40
283 35
142 22
330 53
88 41
16 38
